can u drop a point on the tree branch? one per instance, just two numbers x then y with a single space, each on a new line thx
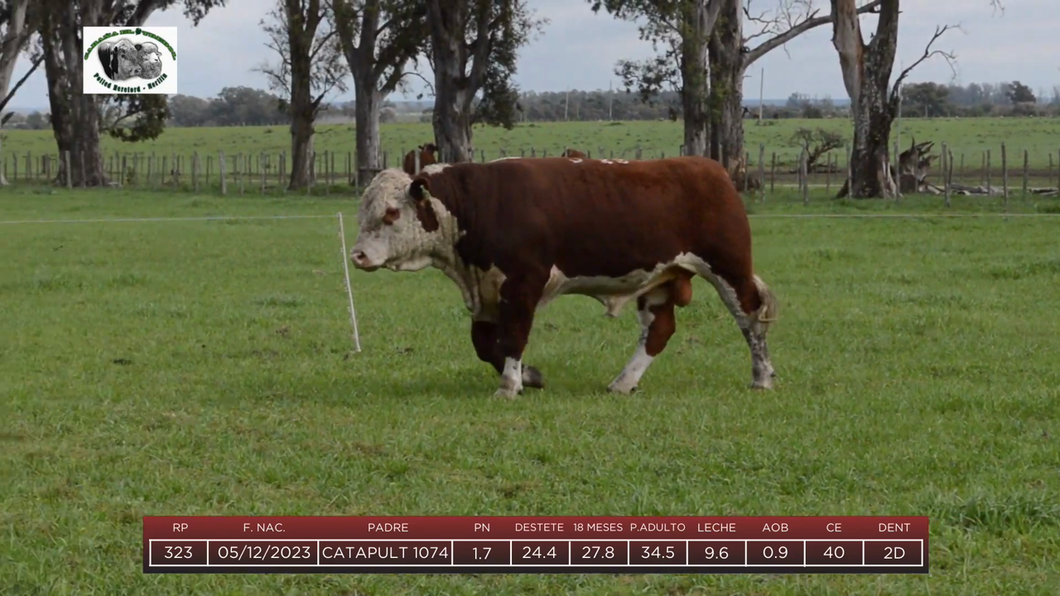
797 29
928 53
11 94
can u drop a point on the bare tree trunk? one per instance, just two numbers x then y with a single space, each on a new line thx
453 85
699 17
301 143
367 126
726 85
866 74
11 45
75 116
452 112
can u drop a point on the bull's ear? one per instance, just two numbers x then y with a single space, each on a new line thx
419 189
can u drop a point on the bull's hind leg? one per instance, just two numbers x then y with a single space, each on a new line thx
655 311
484 336
754 307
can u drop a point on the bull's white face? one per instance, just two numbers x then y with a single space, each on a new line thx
390 234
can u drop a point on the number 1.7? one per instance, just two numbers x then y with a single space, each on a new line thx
482 555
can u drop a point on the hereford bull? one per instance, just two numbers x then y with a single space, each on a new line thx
514 234
428 156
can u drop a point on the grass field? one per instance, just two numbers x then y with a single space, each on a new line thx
205 368
969 137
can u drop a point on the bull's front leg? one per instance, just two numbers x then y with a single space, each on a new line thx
518 301
484 336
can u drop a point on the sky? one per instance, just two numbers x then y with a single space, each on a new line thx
578 50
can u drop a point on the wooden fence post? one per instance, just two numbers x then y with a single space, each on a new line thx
195 170
945 169
1004 172
773 173
221 171
261 167
70 179
805 177
989 167
762 172
949 179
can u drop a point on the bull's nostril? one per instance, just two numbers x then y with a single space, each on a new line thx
359 256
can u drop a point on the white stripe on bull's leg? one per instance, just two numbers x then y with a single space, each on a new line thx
753 325
511 379
484 338
518 299
655 311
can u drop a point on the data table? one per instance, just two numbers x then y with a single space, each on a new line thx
535 545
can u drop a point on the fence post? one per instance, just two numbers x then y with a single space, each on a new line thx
803 174
221 171
261 169
165 167
949 179
1004 172
762 172
773 173
195 170
989 167
828 172
240 170
946 166
176 171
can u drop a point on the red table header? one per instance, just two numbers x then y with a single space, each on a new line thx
514 528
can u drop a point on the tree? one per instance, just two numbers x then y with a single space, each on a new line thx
925 99
682 29
873 102
15 33
474 45
1020 93
732 53
310 67
76 116
379 38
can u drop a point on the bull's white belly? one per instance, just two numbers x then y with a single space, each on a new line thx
613 292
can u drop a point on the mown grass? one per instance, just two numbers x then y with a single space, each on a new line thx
205 368
967 136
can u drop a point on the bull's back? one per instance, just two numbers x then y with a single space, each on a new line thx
606 217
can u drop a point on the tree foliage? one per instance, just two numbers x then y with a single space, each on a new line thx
311 25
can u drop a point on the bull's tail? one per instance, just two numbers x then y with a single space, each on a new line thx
767 313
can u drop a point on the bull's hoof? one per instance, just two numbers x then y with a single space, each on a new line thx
503 393
766 383
533 378
624 388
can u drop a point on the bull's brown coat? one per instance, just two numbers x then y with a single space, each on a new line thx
428 156
606 222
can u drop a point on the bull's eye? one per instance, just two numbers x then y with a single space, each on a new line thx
392 214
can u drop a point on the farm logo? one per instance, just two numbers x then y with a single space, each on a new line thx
127 61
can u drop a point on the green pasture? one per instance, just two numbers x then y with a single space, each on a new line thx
967 137
206 368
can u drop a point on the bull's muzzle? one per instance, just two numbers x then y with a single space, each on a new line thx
361 260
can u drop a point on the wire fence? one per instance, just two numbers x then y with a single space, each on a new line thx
985 173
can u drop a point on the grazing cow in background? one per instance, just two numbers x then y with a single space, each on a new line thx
514 234
568 152
428 156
